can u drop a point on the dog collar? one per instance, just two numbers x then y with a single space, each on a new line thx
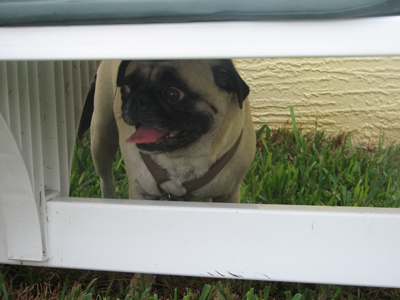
160 175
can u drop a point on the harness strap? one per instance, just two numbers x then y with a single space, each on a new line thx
160 175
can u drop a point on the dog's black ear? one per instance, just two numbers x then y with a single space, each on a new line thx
227 78
121 71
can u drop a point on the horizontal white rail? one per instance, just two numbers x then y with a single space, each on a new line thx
336 245
353 37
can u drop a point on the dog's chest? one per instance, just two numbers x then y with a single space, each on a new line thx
180 171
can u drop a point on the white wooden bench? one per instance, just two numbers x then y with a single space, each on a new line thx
45 73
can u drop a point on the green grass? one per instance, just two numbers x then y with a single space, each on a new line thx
290 167
84 180
18 282
311 169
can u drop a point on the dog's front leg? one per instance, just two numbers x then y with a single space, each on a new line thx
136 191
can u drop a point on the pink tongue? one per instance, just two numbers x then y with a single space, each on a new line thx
146 135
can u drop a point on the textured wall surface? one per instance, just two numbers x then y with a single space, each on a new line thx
357 95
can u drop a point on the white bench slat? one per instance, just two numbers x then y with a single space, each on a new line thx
354 37
335 245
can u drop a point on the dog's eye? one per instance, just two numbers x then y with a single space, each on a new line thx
125 90
173 94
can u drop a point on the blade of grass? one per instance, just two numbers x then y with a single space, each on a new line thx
295 131
204 292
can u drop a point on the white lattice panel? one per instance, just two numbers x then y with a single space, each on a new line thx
40 106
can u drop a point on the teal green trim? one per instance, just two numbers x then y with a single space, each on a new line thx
64 12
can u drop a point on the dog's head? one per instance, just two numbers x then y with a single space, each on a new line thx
171 104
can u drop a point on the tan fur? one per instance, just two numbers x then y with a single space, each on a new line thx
109 131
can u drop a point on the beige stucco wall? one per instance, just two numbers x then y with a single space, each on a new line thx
357 95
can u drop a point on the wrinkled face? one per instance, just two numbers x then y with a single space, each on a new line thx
173 103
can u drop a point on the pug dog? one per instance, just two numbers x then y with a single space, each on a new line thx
184 128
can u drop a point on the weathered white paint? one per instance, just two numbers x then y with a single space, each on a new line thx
360 95
347 37
314 244
38 113
21 223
